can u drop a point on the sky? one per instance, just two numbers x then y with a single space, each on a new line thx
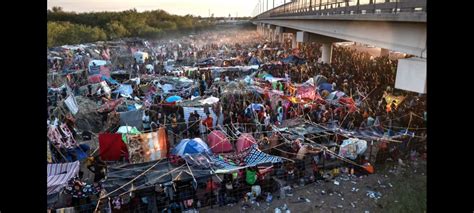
178 7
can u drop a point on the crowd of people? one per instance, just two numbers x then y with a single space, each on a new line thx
363 78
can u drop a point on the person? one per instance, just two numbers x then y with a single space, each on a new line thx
98 167
280 112
174 127
146 121
207 123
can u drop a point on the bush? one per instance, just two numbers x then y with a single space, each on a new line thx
73 28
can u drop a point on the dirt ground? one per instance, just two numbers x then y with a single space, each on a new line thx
402 188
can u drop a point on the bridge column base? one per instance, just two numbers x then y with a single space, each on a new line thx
294 43
326 50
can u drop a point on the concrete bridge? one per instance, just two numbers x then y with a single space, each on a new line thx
397 25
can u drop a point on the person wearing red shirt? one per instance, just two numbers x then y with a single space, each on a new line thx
207 123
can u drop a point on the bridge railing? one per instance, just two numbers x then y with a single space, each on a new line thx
343 7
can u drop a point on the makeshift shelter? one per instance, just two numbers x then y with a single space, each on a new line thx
159 172
244 141
218 142
58 175
191 146
118 176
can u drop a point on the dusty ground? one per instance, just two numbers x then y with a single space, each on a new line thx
403 189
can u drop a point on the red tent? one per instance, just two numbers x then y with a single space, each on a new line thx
218 142
245 141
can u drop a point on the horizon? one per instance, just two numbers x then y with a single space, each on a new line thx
203 8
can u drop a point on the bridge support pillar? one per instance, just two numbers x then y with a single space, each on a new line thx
384 52
294 43
326 50
278 34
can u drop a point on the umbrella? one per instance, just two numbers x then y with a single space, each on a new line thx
173 98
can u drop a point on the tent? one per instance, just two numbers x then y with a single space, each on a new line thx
219 142
245 141
190 146
58 175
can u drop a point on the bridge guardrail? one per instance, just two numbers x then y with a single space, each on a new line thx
343 7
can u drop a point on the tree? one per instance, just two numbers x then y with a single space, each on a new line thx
57 9
116 30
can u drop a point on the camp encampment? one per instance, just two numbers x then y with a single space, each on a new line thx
227 119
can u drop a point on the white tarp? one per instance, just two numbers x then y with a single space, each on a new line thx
210 100
352 147
71 104
411 75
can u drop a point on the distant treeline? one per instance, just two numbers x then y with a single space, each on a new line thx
75 28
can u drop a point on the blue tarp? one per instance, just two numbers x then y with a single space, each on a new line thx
80 152
109 79
125 89
173 98
254 61
293 59
325 86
